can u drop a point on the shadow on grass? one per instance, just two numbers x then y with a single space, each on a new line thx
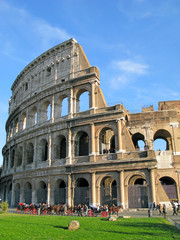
65 228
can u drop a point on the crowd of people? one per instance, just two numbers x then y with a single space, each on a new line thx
162 208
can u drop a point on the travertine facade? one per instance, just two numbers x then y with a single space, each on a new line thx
84 157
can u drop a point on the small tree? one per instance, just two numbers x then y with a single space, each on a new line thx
4 206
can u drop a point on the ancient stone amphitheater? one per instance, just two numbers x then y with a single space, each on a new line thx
57 155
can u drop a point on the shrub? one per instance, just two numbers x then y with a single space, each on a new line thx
4 206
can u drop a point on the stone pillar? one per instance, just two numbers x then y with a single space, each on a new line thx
92 96
52 110
48 192
49 149
68 191
92 145
13 195
35 157
119 128
24 156
121 185
22 199
70 103
98 191
69 157
93 188
34 192
153 191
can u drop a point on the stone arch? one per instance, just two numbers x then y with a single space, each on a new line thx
86 101
64 105
167 190
164 135
108 191
30 153
81 192
137 192
24 121
60 151
138 141
42 192
17 194
17 125
33 116
60 192
19 156
107 141
28 193
81 143
43 150
46 111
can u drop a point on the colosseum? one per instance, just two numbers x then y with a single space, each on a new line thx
57 154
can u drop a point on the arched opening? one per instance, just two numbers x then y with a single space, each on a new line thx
33 116
108 191
19 156
30 153
138 141
106 141
64 107
43 150
60 147
42 192
16 125
162 140
169 187
28 193
81 144
24 121
12 152
60 192
9 194
137 192
17 194
81 192
82 100
46 111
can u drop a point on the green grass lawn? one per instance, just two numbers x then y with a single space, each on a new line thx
19 227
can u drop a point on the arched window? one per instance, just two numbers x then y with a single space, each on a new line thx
30 153
60 192
28 193
60 147
82 100
12 155
162 140
138 141
169 186
19 156
81 192
42 192
108 191
64 107
82 144
16 125
43 150
24 121
106 141
46 111
33 116
49 112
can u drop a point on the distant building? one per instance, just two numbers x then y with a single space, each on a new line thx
91 157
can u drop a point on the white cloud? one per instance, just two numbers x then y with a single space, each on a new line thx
34 30
129 66
126 72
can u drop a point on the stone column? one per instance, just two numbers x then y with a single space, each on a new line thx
93 189
22 199
49 149
119 128
69 157
68 191
13 195
35 157
52 110
92 145
98 189
92 96
153 192
70 103
48 192
34 192
121 185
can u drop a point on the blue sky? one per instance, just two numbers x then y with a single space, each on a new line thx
134 43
